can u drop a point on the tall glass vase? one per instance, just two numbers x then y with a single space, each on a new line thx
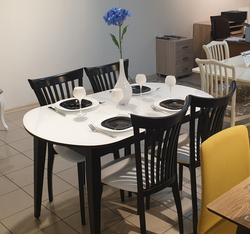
123 84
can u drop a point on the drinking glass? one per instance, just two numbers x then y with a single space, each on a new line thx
170 81
79 93
141 80
117 95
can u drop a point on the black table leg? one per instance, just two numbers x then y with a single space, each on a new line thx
39 161
93 171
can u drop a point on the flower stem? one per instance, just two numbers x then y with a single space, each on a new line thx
120 42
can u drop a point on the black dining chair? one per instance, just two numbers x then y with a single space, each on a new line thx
143 174
205 119
104 77
48 91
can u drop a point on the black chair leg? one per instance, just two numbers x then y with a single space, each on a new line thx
180 176
81 182
147 202
194 199
51 157
141 212
178 205
129 194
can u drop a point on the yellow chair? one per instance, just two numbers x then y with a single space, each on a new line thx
225 162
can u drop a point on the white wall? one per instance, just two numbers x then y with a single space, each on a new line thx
45 37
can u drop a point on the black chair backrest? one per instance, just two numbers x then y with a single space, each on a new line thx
54 88
161 136
104 77
220 27
210 120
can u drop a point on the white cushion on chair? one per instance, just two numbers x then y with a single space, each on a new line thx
121 173
69 154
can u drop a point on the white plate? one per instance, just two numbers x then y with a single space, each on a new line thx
158 106
99 125
94 104
152 89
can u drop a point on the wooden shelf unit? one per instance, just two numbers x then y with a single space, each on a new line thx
174 57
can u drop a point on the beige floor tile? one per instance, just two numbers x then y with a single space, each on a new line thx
23 177
58 228
69 175
188 228
15 135
7 151
59 186
18 122
108 219
61 164
123 227
186 201
29 153
16 223
16 114
14 163
14 202
65 204
4 230
6 185
23 145
124 209
159 218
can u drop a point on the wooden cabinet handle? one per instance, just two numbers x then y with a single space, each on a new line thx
185 47
185 58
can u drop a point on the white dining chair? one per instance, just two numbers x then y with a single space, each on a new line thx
219 50
2 110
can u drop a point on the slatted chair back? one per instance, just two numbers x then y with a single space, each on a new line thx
217 50
51 89
104 77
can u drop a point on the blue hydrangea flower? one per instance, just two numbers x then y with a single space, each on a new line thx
116 16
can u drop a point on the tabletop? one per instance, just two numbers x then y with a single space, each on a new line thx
242 72
73 130
234 205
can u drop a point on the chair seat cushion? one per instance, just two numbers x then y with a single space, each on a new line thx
121 173
68 154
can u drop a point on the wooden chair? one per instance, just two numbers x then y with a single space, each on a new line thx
142 174
225 162
48 91
217 50
220 27
104 77
2 110
210 121
217 84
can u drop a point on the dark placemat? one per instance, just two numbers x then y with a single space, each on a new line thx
117 123
136 89
73 104
173 104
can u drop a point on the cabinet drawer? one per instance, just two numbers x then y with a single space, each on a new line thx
184 69
184 58
185 46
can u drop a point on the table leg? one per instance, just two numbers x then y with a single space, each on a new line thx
93 171
39 161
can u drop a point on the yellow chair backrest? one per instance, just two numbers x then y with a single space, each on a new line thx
225 162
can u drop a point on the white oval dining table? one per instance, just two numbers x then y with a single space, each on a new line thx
45 125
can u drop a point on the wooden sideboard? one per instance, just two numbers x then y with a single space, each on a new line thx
174 57
202 36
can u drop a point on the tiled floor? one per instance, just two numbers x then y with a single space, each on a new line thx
62 215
